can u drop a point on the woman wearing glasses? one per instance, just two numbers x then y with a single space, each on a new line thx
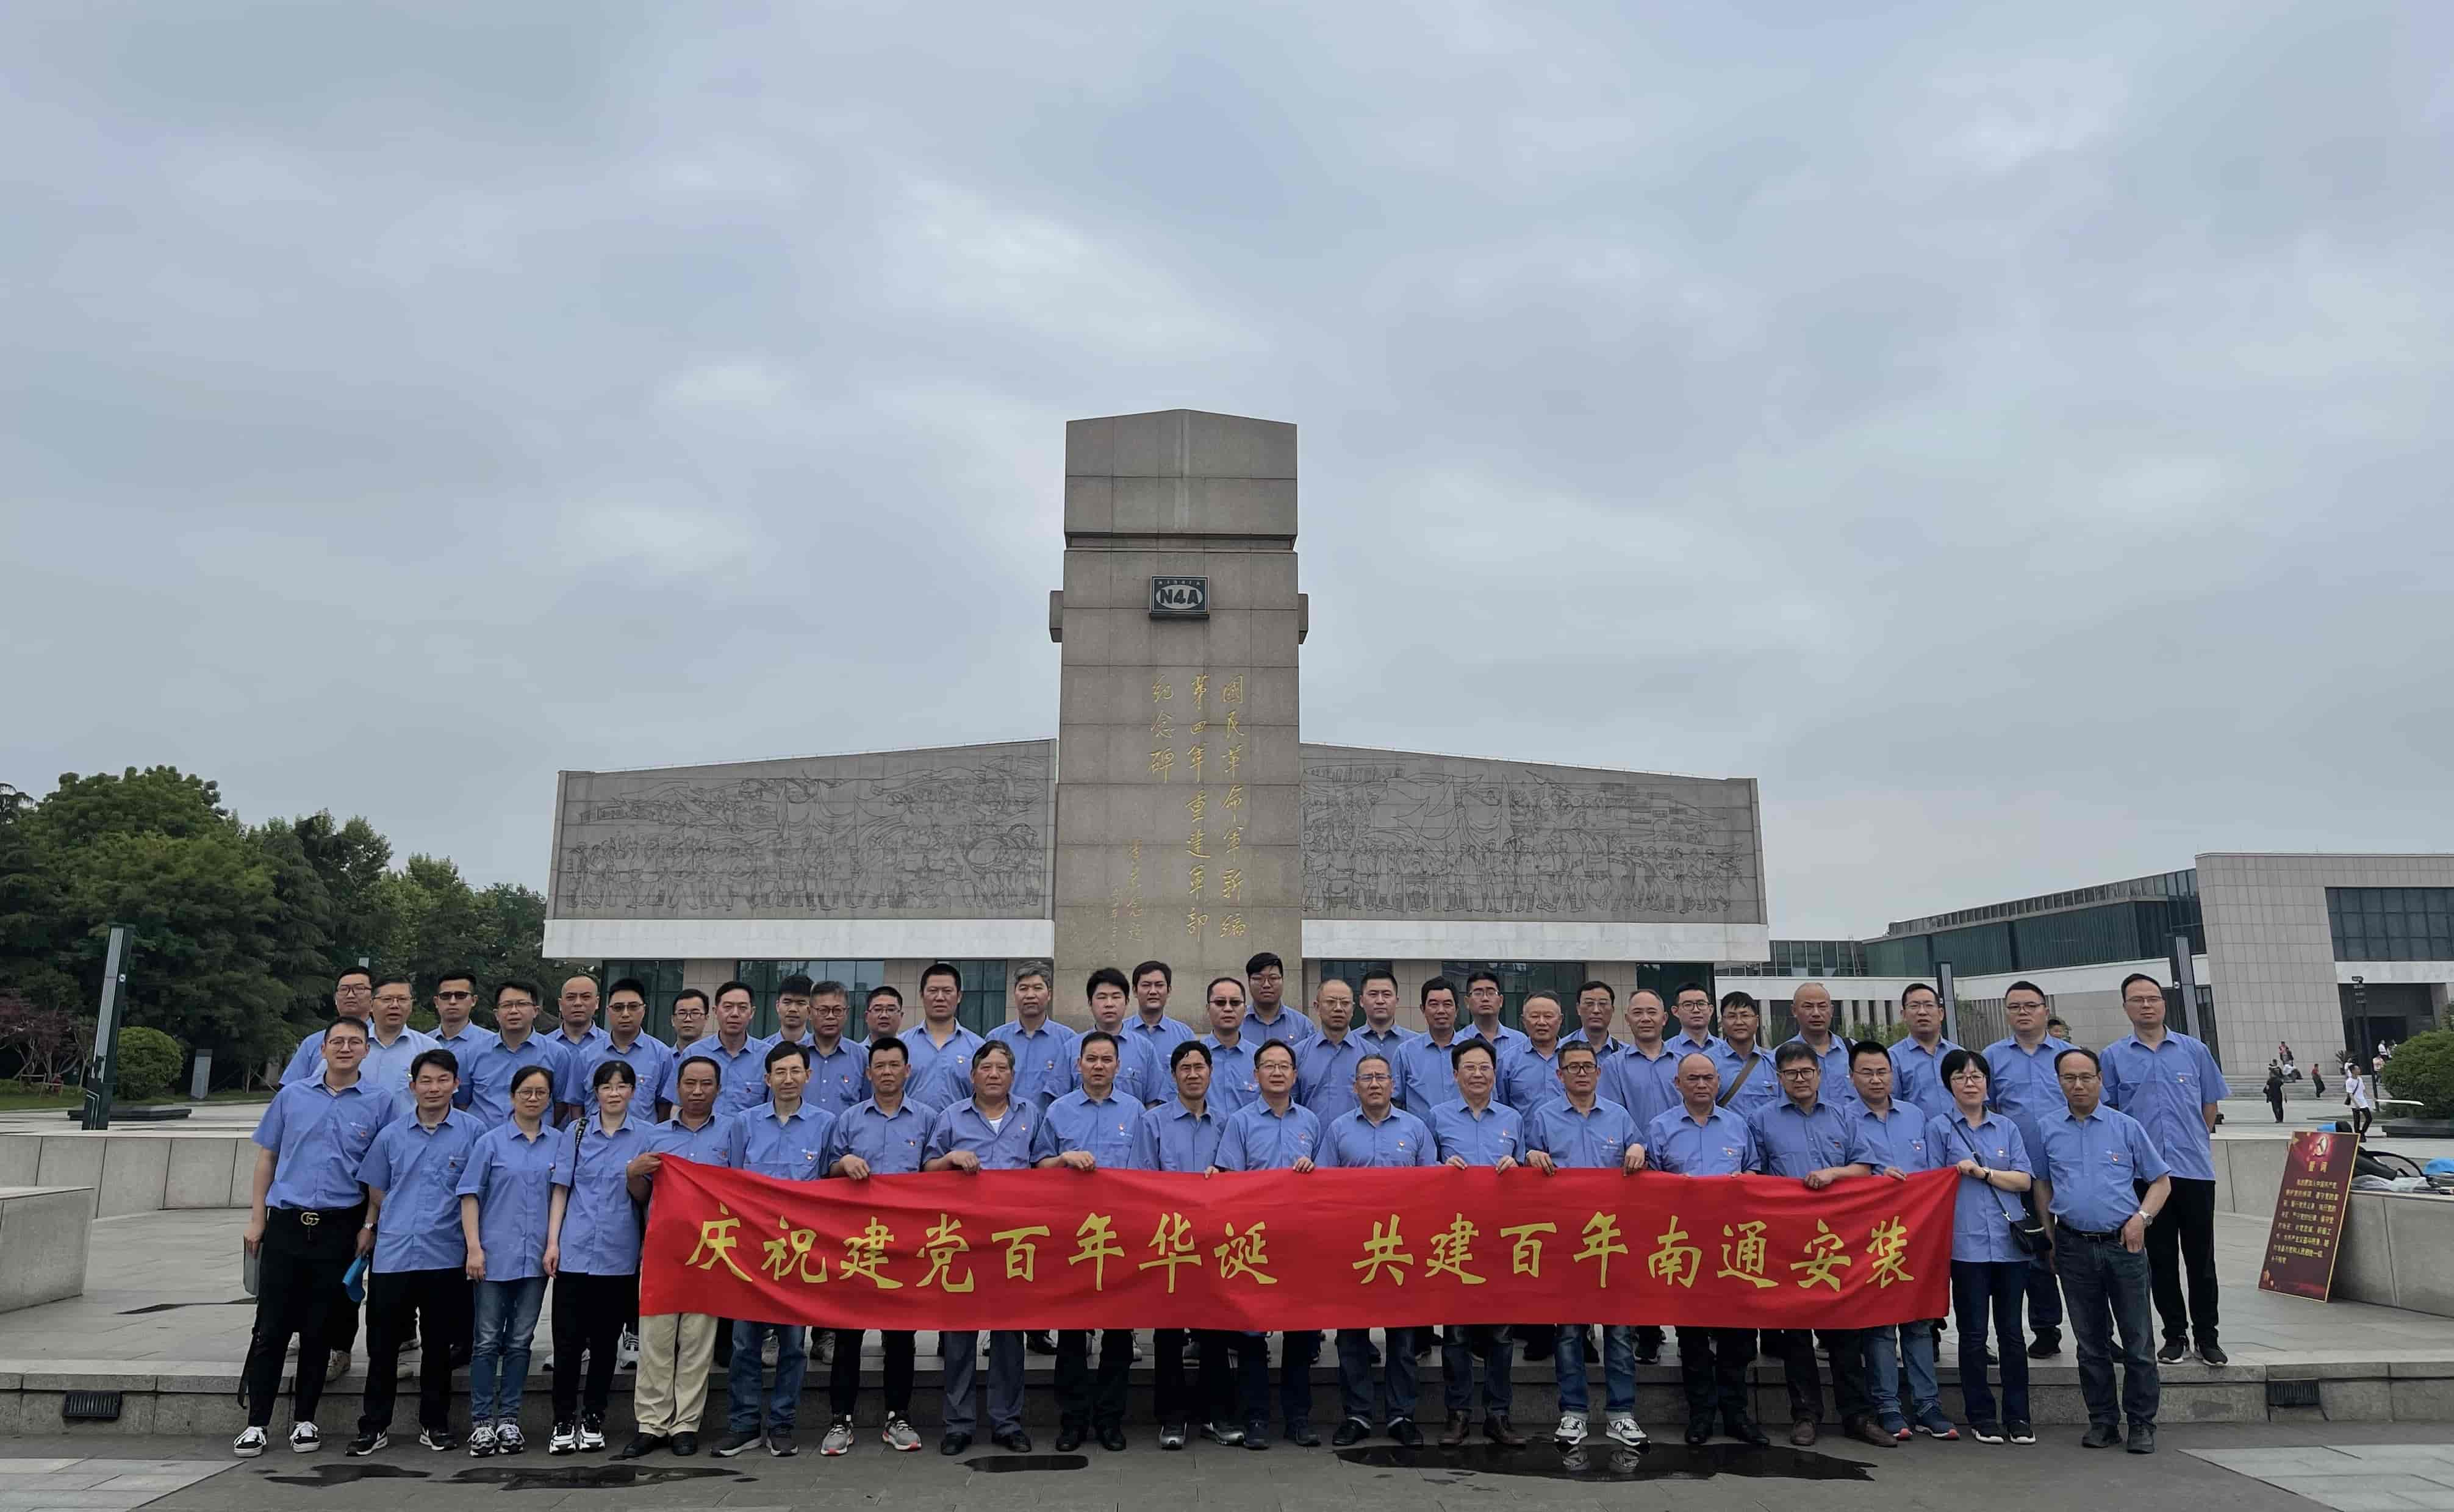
593 1252
1990 1270
507 1198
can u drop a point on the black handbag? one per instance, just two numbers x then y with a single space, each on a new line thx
2027 1230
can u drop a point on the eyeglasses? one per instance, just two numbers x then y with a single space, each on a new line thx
352 991
514 1002
1226 1003
453 996
1797 1072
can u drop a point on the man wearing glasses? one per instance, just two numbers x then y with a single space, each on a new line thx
353 996
1378 1133
1271 1018
456 1001
2171 1084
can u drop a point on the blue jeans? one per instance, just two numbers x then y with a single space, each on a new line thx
2106 1288
742 1382
1979 1287
1459 1344
1887 1348
1618 1367
498 1351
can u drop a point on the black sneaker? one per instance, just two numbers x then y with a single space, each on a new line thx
738 1441
2213 1353
780 1444
2045 1347
442 1440
369 1440
2022 1432
1986 1432
2174 1352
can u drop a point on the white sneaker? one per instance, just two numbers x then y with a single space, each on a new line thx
626 1354
1571 1429
250 1442
305 1438
481 1440
1624 1429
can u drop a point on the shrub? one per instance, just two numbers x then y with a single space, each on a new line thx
2421 1069
148 1063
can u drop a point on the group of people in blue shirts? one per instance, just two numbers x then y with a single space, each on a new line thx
468 1168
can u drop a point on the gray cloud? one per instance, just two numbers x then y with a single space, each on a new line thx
2018 438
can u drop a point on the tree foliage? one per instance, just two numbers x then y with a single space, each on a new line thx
2422 1068
149 1062
238 930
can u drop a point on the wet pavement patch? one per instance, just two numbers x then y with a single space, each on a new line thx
1614 1463
515 1478
1008 1464
329 1475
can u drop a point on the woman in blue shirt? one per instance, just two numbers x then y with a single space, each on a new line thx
1989 1271
506 1207
592 1250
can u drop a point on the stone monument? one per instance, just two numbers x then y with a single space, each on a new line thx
1178 822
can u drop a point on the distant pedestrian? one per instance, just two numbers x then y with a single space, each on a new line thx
2275 1089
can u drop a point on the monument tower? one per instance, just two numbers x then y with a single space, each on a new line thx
1178 774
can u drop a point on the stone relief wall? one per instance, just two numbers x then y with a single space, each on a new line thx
1409 836
961 831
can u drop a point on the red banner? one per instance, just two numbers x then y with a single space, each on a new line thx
1272 1250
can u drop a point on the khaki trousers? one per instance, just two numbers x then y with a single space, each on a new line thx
670 1394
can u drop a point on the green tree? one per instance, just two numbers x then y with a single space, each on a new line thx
2422 1068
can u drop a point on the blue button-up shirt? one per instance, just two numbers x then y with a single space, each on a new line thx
1981 1214
1763 1087
418 1170
1594 1140
1895 1141
889 1143
1170 1137
1163 1036
1258 1139
1647 1086
710 1143
1325 1072
1233 1083
941 1075
1481 1137
1296 1029
740 1077
2026 1084
2163 1089
649 1059
785 1147
1352 1141
838 1080
318 1137
511 1176
1043 1060
472 1039
1528 1079
308 1057
385 1066
1721 1144
1375 1042
1795 1141
1835 1088
1104 1129
1916 1077
1426 1077
1022 1140
1683 1043
600 1228
2093 1163
572 1048
486 1077
1141 1071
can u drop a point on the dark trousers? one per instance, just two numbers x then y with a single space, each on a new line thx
2183 1241
1297 1354
298 1291
1979 1290
1648 1341
1173 1398
2045 1294
432 1307
588 1315
1846 1347
1087 1400
2106 1288
843 1372
1460 1344
1400 1380
1713 1368
2361 1118
1252 1353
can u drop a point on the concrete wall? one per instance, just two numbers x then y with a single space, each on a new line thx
43 1233
2394 1250
122 1173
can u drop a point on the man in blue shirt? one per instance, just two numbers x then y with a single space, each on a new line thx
1643 1076
1141 1071
674 1348
2027 1089
625 1039
1749 1084
1092 1129
838 1067
1153 981
941 1048
1378 992
887 1135
1483 1001
1892 1135
740 1055
1698 1138
1232 1082
2171 1084
1266 975
486 1086
1584 1130
1325 1066
455 1004
1378 1133
577 1033
1043 1049
991 1130
304 1229
786 1139
1426 1077
1693 1003
1473 1131
1595 1005
1529 1070
353 997
1810 1004
1806 1139
417 1287
1273 1133
392 1045
1917 1059
2107 1184
1182 1134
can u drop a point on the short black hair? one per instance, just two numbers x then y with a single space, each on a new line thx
1916 987
797 985
940 968
1246 991
829 988
994 1047
436 1057
883 991
1106 977
346 973
1568 1047
1458 1051
613 1068
1791 1053
784 1050
514 985
2139 975
1184 1048
2025 985
886 1042
1079 1045
2077 1050
1380 974
708 1061
1597 984
1165 972
1869 1047
1273 1044
739 987
520 1078
1955 1061
1735 999
1686 987
629 984
688 992
1436 985
1473 977
383 982
1263 961
457 974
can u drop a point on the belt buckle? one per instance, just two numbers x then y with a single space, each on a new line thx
310 1218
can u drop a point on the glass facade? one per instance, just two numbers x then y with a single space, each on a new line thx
858 976
2129 930
1806 958
985 989
663 979
1351 971
1519 979
2392 924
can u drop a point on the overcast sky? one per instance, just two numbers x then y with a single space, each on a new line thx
2017 435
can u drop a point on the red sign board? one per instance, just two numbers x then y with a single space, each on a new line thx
2309 1211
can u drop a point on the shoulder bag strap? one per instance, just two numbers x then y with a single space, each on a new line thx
1723 1100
